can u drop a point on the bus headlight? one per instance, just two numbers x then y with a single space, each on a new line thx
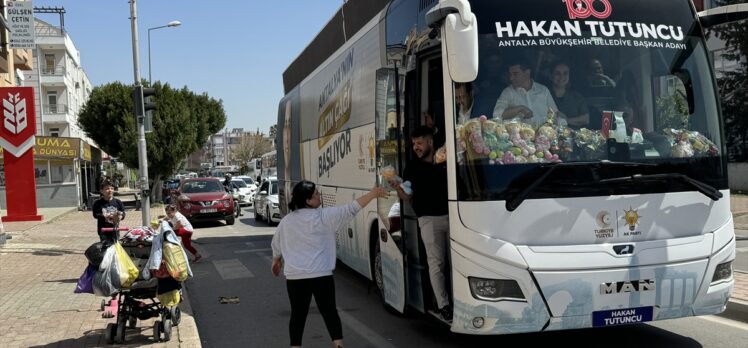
723 271
495 289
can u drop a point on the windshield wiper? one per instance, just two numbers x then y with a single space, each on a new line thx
512 204
704 188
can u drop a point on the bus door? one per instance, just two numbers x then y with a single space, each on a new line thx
387 250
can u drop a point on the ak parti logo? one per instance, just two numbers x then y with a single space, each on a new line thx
581 9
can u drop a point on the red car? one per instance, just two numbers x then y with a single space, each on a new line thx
201 199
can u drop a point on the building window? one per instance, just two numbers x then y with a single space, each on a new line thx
52 101
41 172
54 132
49 64
61 172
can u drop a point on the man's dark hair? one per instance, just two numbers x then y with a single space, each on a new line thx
468 87
104 184
301 192
422 131
521 63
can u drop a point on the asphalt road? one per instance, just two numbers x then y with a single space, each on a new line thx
237 269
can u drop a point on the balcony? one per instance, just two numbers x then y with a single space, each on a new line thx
56 113
53 76
53 70
52 109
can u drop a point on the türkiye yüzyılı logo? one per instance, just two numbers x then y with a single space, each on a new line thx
588 26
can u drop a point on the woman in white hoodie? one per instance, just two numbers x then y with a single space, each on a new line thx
304 245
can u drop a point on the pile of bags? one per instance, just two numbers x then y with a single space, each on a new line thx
111 269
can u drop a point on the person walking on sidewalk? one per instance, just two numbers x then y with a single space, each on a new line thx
183 228
304 245
106 207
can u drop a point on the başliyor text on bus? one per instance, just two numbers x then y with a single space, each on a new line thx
586 169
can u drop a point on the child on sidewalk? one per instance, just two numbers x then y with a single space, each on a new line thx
183 229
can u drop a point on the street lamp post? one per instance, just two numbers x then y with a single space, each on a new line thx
171 24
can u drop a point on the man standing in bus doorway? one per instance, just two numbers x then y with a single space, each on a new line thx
429 200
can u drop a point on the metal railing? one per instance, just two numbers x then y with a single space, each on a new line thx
53 70
55 109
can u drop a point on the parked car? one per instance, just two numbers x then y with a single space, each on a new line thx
245 193
205 199
266 202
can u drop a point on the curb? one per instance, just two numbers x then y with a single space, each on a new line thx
736 310
190 336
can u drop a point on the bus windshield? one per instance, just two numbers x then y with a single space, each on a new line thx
609 83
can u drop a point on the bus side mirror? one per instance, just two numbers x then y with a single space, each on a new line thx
461 41
460 37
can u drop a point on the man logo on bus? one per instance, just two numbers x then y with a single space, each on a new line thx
584 8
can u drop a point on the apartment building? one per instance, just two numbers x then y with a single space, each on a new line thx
66 164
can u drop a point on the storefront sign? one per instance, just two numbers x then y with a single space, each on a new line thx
17 138
57 147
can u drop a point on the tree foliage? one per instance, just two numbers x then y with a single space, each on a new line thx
182 123
252 145
733 85
273 131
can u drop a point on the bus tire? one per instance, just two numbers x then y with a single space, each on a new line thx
376 270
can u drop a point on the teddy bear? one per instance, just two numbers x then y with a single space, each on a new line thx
527 137
390 176
543 140
474 133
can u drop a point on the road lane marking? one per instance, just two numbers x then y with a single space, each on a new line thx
232 269
244 251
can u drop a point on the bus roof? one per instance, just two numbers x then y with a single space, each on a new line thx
357 13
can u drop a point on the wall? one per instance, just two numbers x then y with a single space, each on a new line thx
52 196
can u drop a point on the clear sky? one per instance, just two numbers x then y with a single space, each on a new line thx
234 50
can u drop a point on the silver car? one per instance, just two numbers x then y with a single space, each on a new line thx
266 202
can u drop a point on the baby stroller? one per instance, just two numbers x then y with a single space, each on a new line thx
139 301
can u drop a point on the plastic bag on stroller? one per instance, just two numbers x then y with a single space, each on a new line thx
107 279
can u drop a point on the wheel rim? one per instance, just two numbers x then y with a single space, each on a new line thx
176 316
378 279
167 329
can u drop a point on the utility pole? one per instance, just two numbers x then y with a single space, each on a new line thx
145 192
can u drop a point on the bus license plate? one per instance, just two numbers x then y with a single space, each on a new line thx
209 210
621 316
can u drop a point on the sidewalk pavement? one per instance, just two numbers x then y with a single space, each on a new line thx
39 269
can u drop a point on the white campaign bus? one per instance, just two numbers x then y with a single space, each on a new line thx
614 209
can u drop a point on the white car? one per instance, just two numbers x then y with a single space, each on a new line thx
266 202
249 181
246 195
